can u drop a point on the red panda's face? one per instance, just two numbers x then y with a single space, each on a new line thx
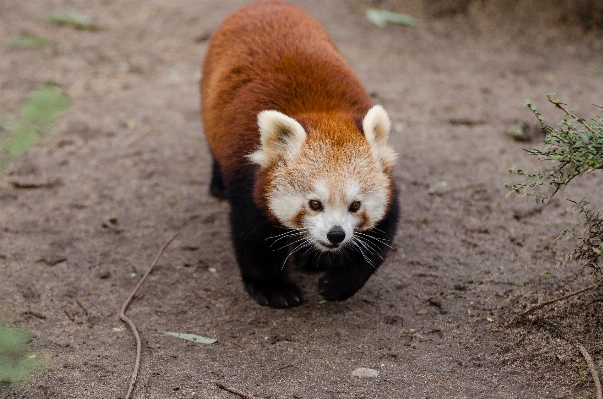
329 186
328 201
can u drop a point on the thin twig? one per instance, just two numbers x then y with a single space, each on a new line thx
125 319
571 294
81 306
592 368
236 391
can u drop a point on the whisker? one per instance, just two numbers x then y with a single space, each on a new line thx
271 244
319 255
379 240
368 260
289 231
369 247
287 234
374 245
346 254
286 228
376 229
304 244
290 243
308 250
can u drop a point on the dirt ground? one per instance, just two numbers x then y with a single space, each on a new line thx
133 168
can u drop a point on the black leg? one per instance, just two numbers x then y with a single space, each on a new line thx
351 268
217 188
262 267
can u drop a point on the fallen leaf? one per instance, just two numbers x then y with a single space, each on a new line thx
191 337
27 42
71 17
382 17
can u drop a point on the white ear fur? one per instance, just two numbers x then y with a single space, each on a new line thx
376 126
280 135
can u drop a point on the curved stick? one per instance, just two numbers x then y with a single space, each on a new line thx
593 370
125 319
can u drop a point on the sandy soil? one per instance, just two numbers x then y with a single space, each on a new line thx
134 168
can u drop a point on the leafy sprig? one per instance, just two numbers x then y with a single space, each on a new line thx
589 237
575 147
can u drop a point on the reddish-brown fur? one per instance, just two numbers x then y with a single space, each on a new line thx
274 56
275 60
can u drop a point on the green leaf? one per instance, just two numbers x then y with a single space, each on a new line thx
27 42
70 17
192 337
36 118
17 363
382 17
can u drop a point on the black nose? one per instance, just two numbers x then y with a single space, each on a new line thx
336 235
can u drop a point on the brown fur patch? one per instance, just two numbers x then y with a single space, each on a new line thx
365 221
299 218
274 56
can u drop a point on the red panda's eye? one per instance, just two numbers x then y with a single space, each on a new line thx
315 205
354 206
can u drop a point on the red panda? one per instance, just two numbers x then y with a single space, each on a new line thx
299 152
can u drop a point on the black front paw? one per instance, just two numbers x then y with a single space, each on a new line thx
283 296
337 285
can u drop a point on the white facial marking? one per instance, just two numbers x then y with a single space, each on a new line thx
285 204
336 200
336 177
321 191
288 201
352 189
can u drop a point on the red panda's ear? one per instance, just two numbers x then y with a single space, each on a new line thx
376 126
280 136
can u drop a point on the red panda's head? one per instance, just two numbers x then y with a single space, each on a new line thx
330 182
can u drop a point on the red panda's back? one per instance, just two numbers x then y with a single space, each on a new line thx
270 56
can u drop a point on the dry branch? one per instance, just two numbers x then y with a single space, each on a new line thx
593 370
125 319
571 294
240 394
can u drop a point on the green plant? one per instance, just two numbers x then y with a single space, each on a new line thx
574 148
581 374
70 17
36 118
17 362
30 42
588 236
